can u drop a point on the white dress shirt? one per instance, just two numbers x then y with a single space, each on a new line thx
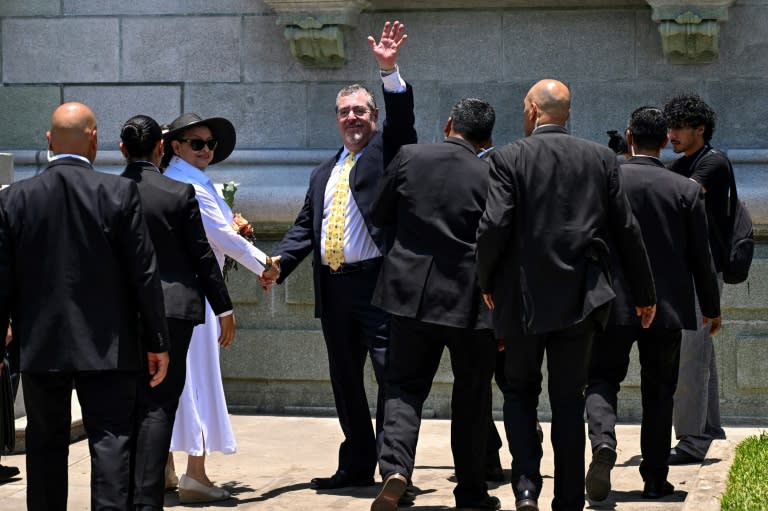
217 218
358 244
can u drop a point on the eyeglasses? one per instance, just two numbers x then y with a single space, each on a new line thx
198 143
359 111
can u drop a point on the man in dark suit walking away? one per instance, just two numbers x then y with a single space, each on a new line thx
544 268
670 211
189 274
433 195
77 267
335 226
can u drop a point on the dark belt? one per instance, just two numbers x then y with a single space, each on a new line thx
365 265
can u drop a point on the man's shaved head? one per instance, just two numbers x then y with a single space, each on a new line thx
73 131
547 102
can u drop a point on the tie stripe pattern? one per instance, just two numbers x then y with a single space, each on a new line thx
334 237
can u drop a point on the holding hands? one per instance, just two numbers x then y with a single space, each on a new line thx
385 51
271 273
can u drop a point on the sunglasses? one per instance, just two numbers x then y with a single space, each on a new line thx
198 143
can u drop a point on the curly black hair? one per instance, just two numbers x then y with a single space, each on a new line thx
689 110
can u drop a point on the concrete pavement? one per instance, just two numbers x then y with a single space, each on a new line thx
278 456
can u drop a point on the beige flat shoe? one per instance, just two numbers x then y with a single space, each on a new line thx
191 491
171 481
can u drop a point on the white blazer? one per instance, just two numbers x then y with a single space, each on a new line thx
217 218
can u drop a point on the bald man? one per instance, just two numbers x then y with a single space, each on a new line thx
544 269
77 267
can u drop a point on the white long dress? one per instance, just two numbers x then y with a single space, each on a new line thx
202 419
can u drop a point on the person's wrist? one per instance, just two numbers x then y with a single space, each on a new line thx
386 71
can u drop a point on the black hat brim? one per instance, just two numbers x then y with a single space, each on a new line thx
221 129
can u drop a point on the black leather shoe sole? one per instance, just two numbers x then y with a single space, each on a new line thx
598 481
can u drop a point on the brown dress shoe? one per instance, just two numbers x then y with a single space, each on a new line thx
391 490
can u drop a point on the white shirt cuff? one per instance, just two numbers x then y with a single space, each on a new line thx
393 82
228 313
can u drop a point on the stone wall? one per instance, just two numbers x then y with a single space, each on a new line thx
229 58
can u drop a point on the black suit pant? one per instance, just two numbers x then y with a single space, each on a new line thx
156 413
354 330
415 352
107 400
659 350
568 353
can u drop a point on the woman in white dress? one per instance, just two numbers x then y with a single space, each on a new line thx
202 420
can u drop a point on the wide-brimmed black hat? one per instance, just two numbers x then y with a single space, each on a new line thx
221 129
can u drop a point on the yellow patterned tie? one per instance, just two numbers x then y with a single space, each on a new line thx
334 236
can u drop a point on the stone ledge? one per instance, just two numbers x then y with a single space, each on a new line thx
712 477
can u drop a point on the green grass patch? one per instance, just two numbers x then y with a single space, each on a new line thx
747 487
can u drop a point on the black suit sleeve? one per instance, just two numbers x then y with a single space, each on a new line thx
700 258
138 258
206 266
399 123
384 206
6 270
497 223
629 241
298 241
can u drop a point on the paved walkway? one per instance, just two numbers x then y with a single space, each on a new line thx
279 455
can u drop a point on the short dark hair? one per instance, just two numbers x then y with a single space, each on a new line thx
690 111
140 134
473 119
648 125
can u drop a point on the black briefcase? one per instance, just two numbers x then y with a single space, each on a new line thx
7 416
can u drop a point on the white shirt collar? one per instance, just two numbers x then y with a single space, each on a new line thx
67 155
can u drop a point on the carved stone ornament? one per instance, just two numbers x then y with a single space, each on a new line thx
690 29
315 29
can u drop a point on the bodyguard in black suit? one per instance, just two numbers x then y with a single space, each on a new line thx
77 267
553 201
671 213
433 195
345 277
189 274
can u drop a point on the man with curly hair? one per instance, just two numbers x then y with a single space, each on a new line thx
697 409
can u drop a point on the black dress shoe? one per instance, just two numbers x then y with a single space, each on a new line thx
408 497
391 490
680 457
526 501
488 502
657 489
7 473
598 481
341 479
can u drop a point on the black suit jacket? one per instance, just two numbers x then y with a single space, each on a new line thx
76 268
671 212
433 195
303 237
553 201
188 268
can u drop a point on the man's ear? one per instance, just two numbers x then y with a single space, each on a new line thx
123 150
448 126
48 138
375 114
665 142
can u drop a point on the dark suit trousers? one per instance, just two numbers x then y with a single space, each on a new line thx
415 351
494 440
568 354
354 329
659 350
156 412
107 400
